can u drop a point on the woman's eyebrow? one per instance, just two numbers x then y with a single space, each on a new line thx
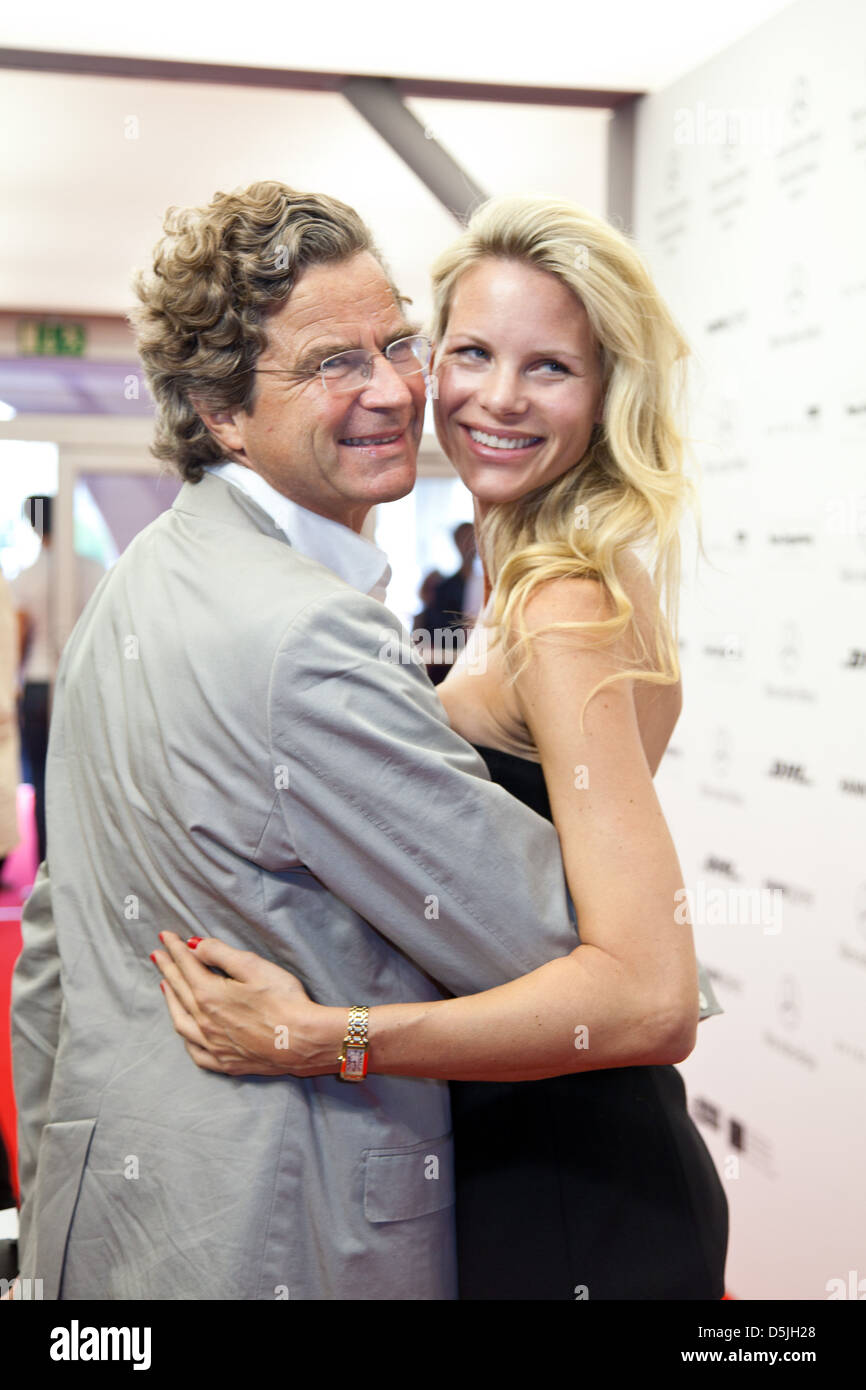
560 352
534 352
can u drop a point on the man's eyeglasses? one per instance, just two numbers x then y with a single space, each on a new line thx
349 371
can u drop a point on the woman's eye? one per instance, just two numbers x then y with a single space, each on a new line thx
471 353
557 368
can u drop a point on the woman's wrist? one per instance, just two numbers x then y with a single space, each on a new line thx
389 1030
319 1040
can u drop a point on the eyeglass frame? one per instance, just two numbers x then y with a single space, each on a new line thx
367 364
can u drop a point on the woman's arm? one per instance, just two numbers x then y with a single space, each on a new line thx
628 995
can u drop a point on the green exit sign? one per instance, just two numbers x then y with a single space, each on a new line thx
44 338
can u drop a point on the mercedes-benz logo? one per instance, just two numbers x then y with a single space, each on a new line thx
798 107
722 750
673 171
795 293
860 909
725 426
789 647
789 1001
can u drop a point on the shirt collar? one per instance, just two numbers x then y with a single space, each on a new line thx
355 559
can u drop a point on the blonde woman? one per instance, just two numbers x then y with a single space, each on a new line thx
557 370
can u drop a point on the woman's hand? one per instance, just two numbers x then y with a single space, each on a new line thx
259 1021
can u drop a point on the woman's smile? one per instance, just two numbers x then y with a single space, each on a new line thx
503 445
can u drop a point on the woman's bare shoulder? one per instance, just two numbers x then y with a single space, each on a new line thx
587 592
588 599
572 599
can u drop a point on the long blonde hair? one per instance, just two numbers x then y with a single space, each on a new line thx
630 483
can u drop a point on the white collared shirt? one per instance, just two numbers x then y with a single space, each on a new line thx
352 557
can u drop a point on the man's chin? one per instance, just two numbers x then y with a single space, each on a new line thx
392 482
394 489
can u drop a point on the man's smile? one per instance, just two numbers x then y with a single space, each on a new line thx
361 441
386 444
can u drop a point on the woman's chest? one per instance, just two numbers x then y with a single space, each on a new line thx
479 698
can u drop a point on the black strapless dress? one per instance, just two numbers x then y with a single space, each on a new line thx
593 1185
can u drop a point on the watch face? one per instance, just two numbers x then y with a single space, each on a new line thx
356 1062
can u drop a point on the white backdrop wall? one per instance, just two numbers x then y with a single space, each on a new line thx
751 210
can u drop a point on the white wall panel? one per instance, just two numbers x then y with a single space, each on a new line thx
751 209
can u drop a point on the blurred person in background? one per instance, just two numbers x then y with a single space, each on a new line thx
424 620
459 597
40 642
455 605
9 763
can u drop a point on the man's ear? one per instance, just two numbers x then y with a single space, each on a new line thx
222 424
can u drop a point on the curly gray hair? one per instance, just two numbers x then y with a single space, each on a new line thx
217 273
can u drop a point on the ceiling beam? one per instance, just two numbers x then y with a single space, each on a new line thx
379 101
621 167
294 79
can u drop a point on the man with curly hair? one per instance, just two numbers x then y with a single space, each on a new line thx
243 745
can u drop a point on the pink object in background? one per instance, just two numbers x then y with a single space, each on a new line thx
19 871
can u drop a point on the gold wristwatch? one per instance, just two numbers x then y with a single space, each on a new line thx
356 1045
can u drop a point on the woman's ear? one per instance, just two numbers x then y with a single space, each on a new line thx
432 391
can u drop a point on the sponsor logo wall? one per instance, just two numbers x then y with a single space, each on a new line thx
751 211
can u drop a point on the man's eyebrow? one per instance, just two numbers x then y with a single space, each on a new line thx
316 354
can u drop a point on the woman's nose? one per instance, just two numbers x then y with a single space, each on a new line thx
503 392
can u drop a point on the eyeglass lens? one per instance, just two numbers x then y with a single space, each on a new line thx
407 356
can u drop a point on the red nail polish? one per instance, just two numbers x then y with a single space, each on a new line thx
153 958
162 985
194 941
161 937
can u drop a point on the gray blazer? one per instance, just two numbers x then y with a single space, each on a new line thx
236 751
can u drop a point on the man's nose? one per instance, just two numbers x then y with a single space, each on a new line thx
386 389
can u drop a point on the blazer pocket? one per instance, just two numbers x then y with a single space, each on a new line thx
63 1151
400 1184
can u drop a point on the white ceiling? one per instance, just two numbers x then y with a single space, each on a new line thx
631 44
84 202
87 202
